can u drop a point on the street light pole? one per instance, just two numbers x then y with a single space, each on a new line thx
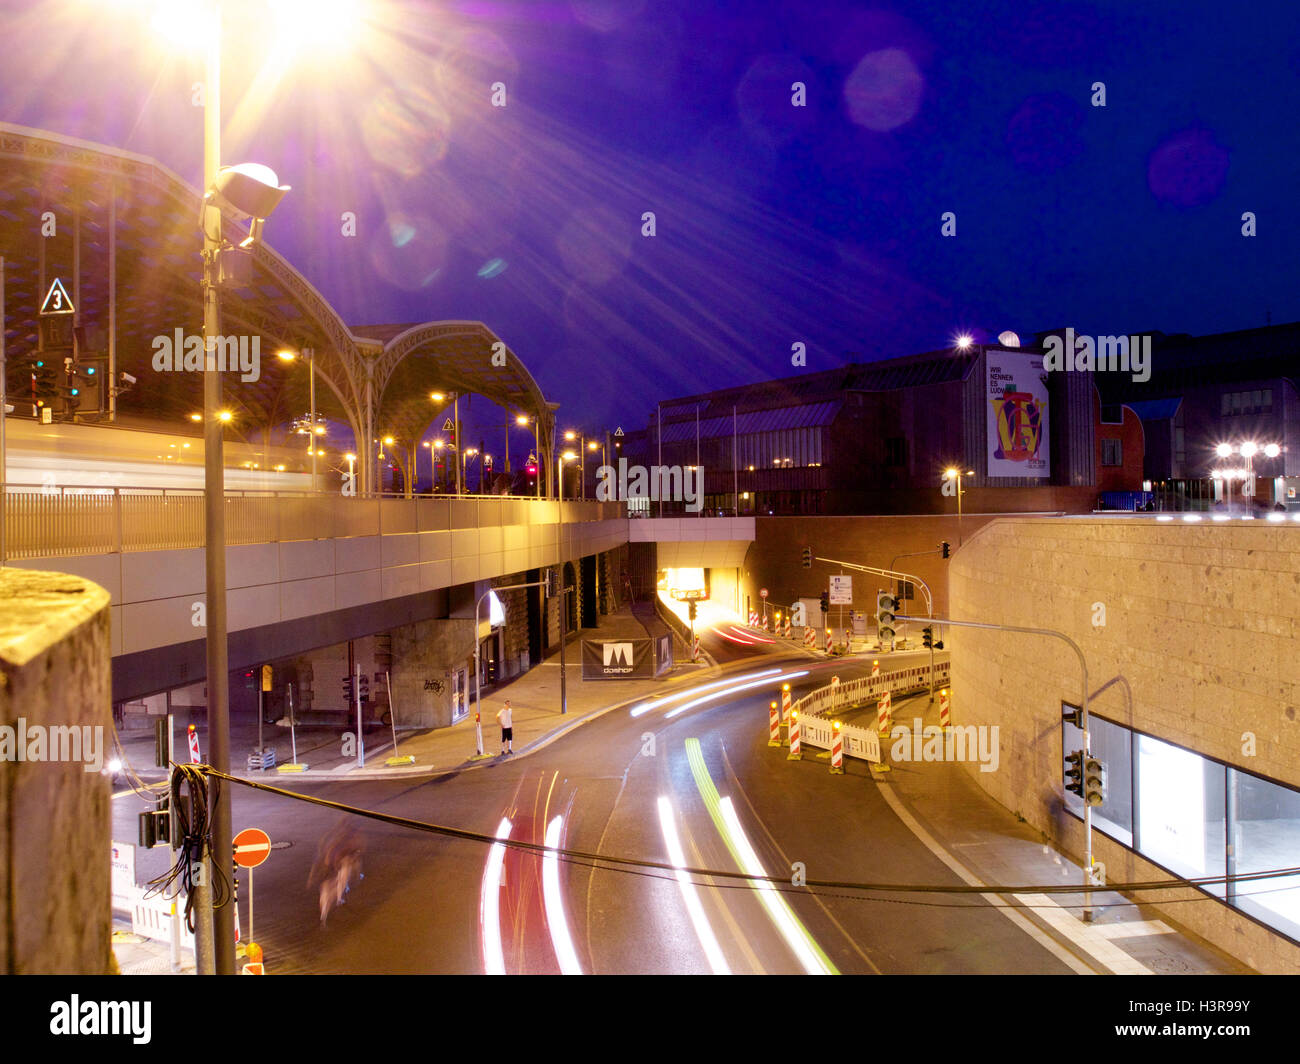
223 919
1083 720
311 436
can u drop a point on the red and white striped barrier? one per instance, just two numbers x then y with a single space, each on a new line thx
884 715
830 639
765 622
945 716
875 668
753 619
773 725
695 652
785 702
794 754
789 628
195 759
837 751
810 637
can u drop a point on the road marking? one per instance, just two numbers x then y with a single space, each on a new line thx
1032 930
1133 929
1085 936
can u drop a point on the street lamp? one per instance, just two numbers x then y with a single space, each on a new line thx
314 429
953 472
524 419
441 397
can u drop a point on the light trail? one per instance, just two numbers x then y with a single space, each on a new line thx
645 707
720 694
558 923
494 961
703 931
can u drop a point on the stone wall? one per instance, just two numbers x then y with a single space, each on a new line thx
54 815
1198 649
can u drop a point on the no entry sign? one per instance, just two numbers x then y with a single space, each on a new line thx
252 847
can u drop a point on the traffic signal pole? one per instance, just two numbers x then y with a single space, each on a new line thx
1083 720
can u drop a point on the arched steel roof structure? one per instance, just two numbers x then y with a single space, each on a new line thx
121 231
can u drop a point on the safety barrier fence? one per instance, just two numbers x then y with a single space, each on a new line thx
50 522
816 709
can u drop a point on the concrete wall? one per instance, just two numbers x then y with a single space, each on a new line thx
774 562
54 815
1198 648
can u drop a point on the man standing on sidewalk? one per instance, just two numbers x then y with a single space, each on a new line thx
507 729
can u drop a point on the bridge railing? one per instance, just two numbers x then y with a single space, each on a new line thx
44 522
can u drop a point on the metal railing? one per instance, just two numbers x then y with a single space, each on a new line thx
44 521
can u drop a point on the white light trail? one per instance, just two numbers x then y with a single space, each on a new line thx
732 690
689 894
494 960
551 896
645 707
791 930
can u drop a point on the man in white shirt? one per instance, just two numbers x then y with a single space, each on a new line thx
507 730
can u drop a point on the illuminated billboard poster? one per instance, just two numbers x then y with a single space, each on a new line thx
1016 394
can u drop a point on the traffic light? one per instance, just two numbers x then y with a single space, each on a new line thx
807 557
886 606
690 610
946 547
927 637
1074 773
347 690
88 375
365 688
155 824
1073 715
826 602
1094 781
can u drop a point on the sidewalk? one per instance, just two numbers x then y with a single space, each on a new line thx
985 843
534 698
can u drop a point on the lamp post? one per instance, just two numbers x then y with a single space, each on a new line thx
567 456
313 429
524 419
441 397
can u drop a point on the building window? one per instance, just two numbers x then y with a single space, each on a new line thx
1112 452
1197 816
1112 414
1256 401
895 451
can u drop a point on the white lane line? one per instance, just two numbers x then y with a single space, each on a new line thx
1084 936
703 931
553 898
1033 931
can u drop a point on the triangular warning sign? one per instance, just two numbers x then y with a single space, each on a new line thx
618 431
447 426
57 301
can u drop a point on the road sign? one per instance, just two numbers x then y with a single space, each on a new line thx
266 677
252 847
763 591
57 301
447 426
841 591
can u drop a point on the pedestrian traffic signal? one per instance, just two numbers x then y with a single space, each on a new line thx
807 557
1094 781
946 547
826 602
886 607
1074 773
927 637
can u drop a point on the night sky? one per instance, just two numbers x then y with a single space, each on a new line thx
776 224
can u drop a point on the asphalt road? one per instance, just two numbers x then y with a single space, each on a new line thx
420 906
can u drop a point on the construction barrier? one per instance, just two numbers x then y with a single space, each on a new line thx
789 628
785 702
817 730
195 759
837 749
885 714
810 637
945 717
695 652
794 754
875 668
753 619
773 725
